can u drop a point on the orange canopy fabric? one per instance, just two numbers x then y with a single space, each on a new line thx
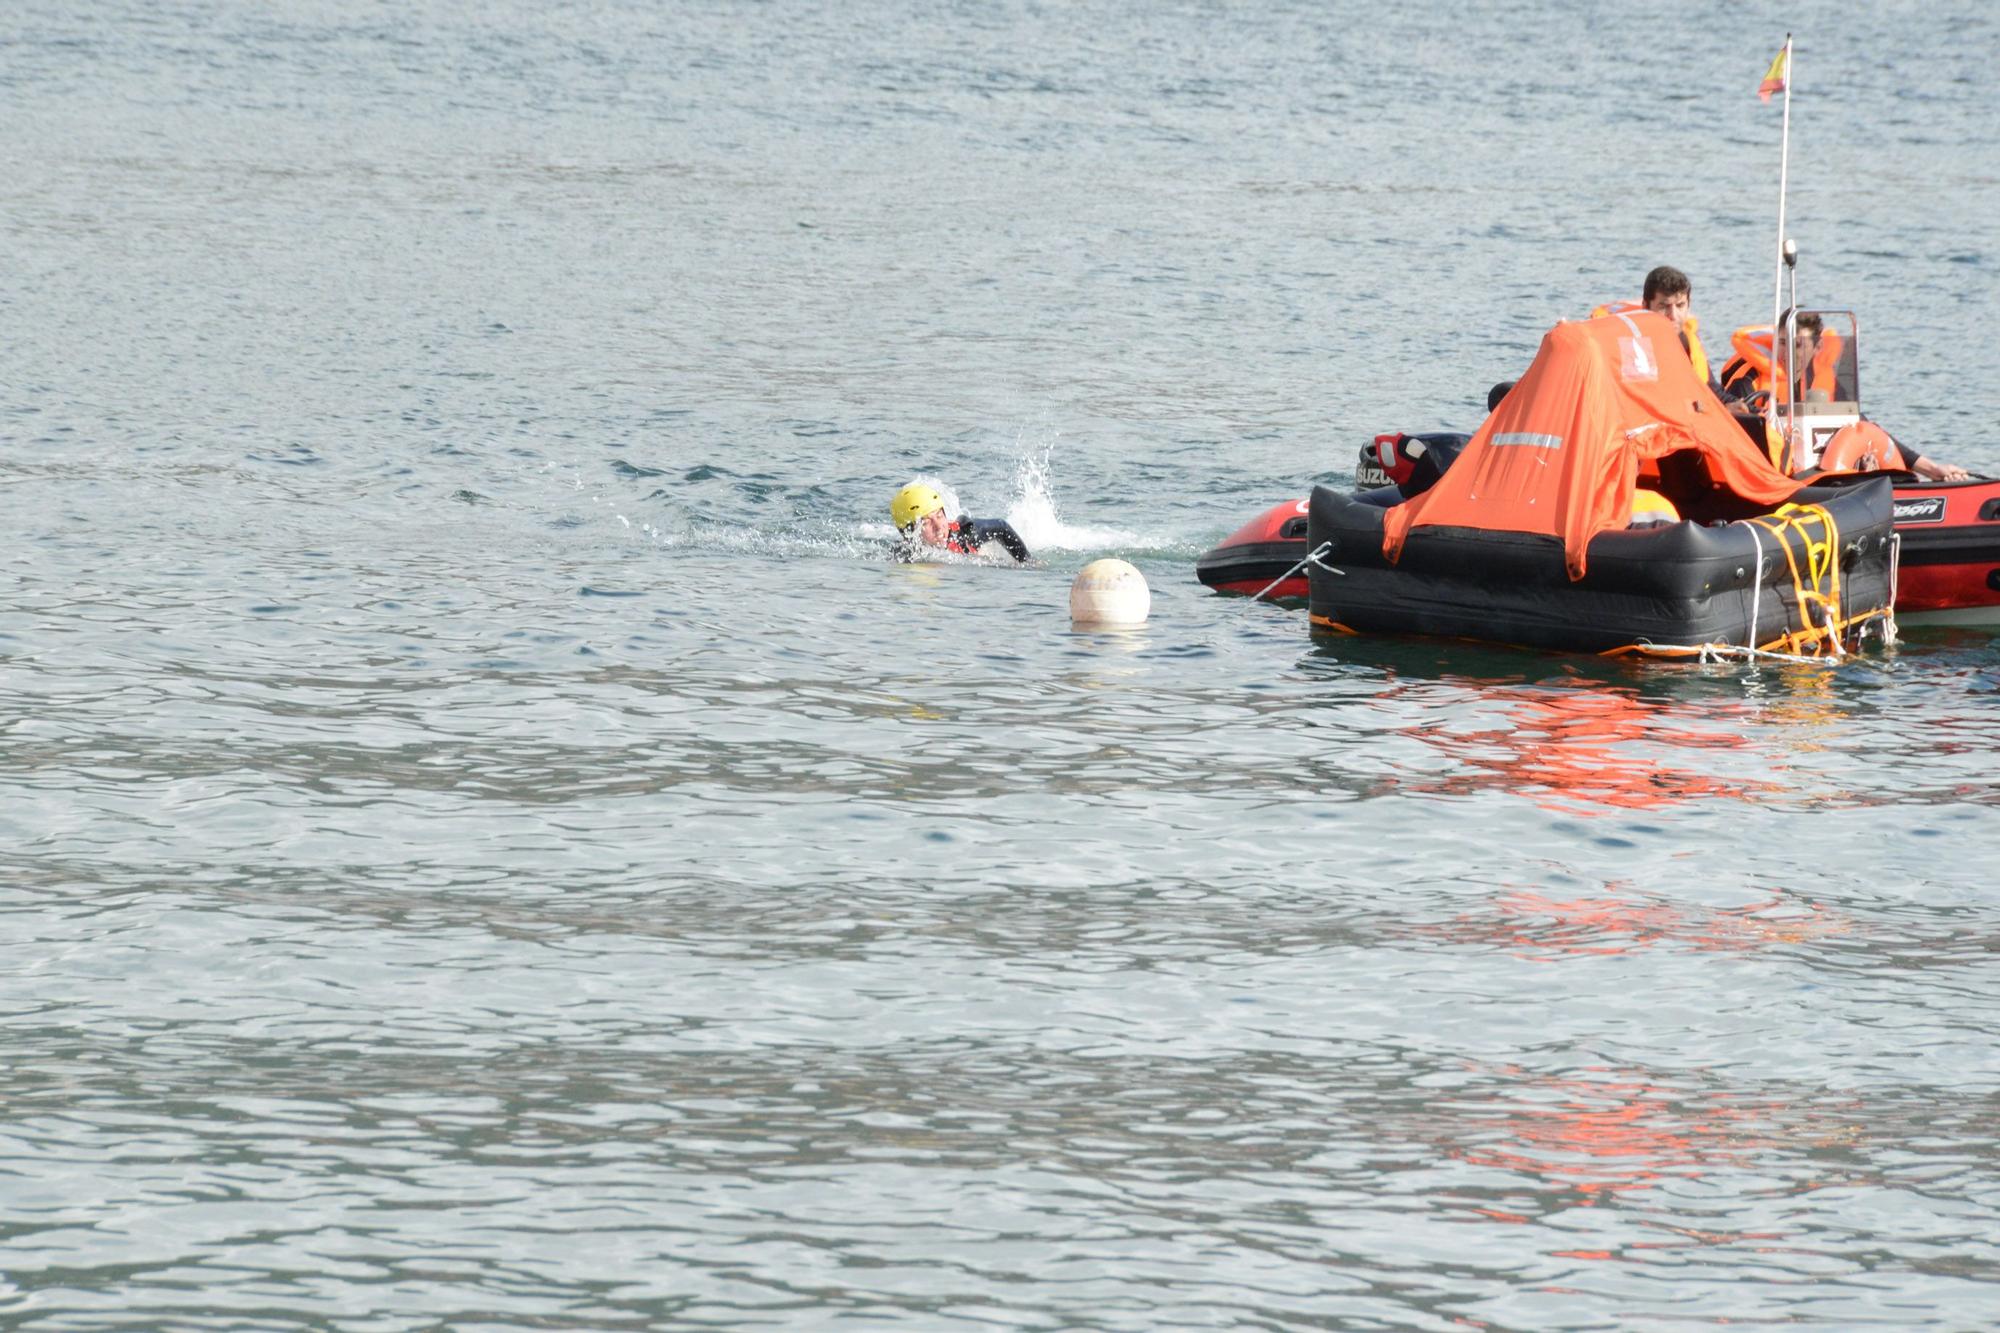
1559 456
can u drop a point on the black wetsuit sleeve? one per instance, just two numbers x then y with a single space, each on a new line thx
983 530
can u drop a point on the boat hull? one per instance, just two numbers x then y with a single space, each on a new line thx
1267 554
1674 587
1266 550
1950 567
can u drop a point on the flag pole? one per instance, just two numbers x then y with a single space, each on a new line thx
1784 164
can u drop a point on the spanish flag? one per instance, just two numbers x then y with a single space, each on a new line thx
1774 77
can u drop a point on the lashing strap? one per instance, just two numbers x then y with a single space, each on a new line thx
1815 579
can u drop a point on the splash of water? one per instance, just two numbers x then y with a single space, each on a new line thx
1033 511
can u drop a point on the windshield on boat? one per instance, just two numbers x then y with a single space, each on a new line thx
1827 362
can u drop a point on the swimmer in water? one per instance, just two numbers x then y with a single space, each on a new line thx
923 524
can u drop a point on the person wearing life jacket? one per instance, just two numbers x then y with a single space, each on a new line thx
1860 447
922 523
1668 292
1865 447
1815 357
1650 509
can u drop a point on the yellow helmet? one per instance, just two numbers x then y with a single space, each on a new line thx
913 502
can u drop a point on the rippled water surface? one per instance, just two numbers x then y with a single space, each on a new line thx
487 840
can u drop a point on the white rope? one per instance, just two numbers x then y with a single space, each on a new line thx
1756 590
1312 558
1736 652
1729 652
1889 634
1833 612
1725 652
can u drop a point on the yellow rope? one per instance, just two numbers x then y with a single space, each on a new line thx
1817 586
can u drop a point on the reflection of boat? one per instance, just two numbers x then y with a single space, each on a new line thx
1602 1132
1622 919
1576 751
1530 536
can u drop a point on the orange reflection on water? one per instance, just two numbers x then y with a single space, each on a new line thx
1545 929
1582 751
1606 1132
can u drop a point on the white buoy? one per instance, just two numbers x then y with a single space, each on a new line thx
1109 592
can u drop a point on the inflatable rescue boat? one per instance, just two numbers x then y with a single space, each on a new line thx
1610 503
1267 555
1950 567
1812 576
1948 531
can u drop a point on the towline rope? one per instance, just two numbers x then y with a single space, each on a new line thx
1312 558
1739 652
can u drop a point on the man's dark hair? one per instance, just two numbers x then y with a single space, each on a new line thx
1808 322
1666 280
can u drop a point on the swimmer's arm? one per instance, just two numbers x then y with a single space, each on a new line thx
1000 530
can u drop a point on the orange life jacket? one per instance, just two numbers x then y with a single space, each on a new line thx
1649 507
1690 332
1753 344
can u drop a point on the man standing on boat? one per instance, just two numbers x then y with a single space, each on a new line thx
1668 292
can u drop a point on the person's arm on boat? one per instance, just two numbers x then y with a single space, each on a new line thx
1935 471
1927 468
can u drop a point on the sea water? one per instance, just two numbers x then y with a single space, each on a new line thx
488 840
